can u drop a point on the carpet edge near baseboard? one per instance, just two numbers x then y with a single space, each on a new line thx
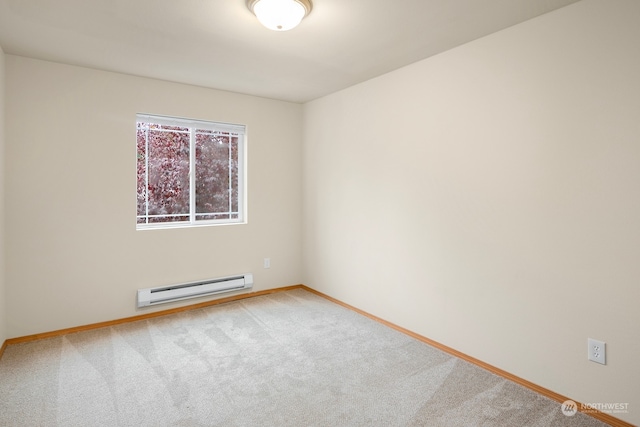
150 315
601 416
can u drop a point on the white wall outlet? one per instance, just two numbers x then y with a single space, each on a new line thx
596 351
267 263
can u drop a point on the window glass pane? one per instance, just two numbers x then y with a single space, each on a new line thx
168 218
234 175
216 174
168 173
141 138
209 217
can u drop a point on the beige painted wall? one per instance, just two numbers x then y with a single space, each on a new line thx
73 254
488 198
3 319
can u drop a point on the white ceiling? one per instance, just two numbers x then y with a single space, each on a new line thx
220 44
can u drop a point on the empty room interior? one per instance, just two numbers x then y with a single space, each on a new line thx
467 171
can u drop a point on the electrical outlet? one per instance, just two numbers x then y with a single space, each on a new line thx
267 263
596 351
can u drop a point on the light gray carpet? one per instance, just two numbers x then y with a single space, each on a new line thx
286 359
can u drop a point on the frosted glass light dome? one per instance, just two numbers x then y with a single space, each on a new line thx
280 15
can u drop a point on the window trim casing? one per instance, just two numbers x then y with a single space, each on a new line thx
238 129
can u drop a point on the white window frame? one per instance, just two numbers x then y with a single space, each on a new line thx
193 124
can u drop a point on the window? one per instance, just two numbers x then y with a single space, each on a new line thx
190 172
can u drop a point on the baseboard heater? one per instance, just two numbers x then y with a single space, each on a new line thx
164 294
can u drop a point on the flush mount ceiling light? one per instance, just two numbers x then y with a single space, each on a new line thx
280 15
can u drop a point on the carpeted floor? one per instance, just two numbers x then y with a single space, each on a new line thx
286 359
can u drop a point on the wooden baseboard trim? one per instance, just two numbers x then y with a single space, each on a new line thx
4 345
606 418
145 316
